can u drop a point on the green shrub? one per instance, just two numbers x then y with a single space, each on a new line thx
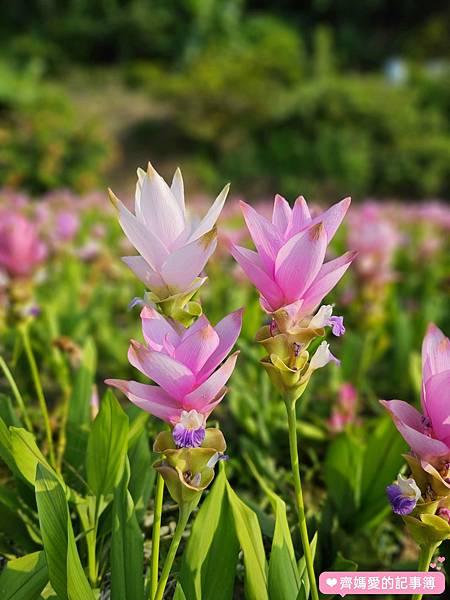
44 142
254 117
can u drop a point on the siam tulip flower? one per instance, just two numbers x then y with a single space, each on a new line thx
344 412
183 363
21 250
428 433
172 249
403 495
288 266
373 235
67 225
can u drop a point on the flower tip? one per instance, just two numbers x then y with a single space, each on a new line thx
151 171
316 232
113 199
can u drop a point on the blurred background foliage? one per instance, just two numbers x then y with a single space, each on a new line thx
320 98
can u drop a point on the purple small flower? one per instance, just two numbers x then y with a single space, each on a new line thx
337 325
324 318
190 431
403 495
136 301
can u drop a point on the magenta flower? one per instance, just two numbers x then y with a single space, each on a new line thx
67 225
428 434
173 249
183 363
288 266
21 250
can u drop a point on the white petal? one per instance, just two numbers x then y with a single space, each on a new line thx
177 189
159 209
209 220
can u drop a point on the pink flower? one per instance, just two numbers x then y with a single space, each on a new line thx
344 412
173 250
428 434
183 363
374 236
288 266
67 225
21 250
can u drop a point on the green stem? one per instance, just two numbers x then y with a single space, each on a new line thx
183 517
62 374
17 394
425 556
157 513
39 391
293 447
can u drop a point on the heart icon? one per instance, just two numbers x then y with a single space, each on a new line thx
433 565
331 581
441 559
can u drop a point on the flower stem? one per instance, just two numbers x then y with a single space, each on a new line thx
425 556
39 391
293 447
157 512
17 394
183 517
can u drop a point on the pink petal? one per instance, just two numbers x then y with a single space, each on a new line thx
435 352
172 376
156 329
253 268
228 330
186 263
404 412
150 398
264 235
328 276
301 217
195 349
281 215
209 220
409 423
299 261
206 393
140 267
147 244
333 217
159 210
177 189
437 400
201 322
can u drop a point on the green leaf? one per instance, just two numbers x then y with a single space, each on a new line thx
250 540
5 448
107 447
303 592
283 579
79 415
209 560
382 462
64 566
143 474
16 522
179 594
127 547
26 453
24 578
7 412
343 466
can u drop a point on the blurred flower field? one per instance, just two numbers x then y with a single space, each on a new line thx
68 311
